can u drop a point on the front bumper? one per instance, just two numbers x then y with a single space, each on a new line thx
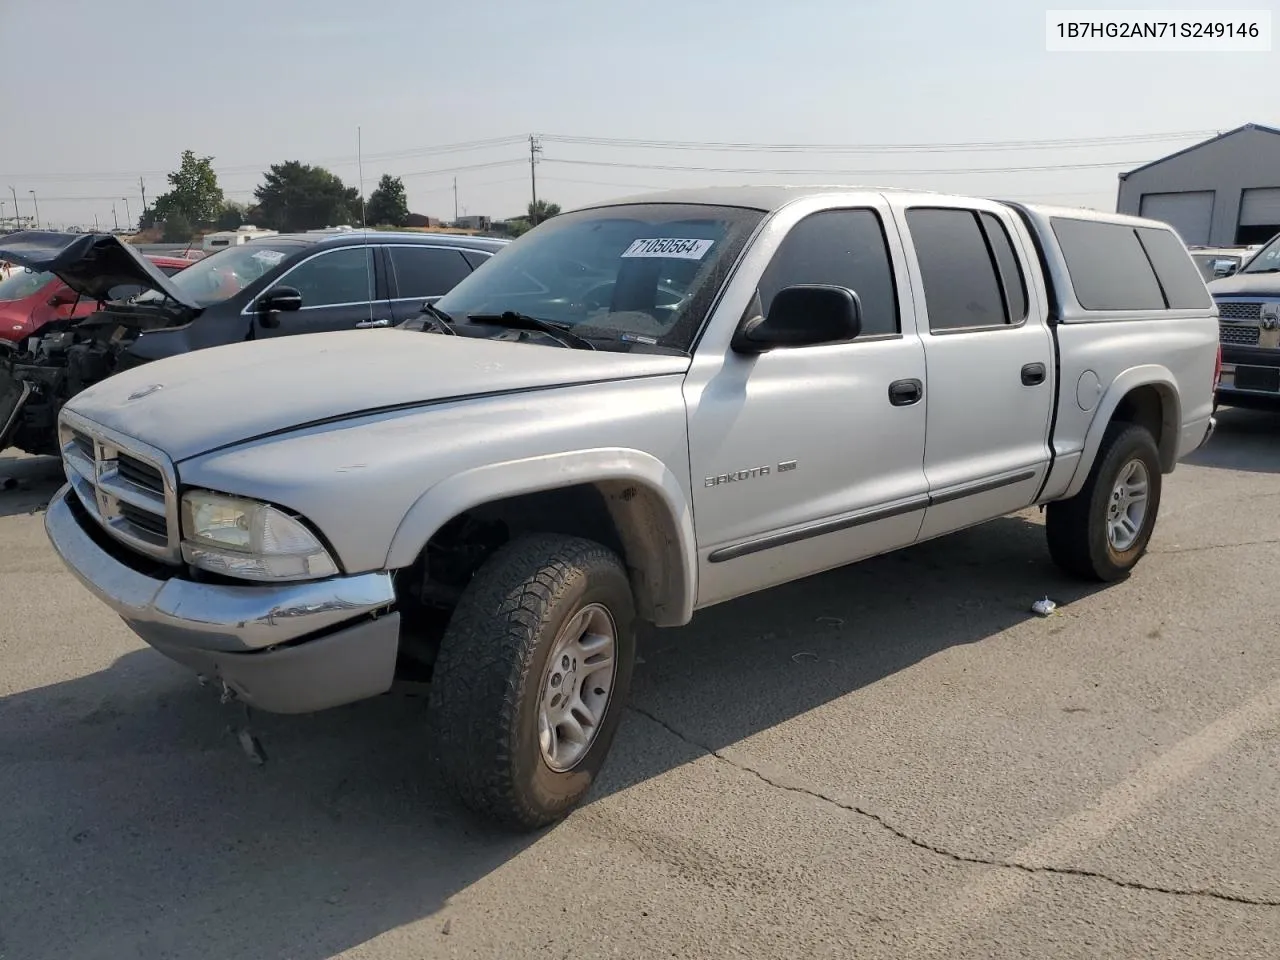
286 648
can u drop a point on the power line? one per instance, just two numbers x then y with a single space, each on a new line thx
915 171
934 147
349 159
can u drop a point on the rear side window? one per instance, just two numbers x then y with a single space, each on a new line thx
1183 287
426 271
1108 266
961 286
845 248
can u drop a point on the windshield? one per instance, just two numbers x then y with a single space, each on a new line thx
1266 260
224 274
22 283
641 272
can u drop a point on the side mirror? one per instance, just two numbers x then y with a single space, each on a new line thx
802 315
64 297
1224 268
278 300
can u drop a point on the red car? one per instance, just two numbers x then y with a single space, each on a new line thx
29 300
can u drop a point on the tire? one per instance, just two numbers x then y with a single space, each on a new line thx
494 663
1077 528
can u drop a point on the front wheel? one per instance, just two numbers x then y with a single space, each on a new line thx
1102 532
531 677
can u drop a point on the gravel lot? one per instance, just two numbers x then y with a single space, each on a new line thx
895 759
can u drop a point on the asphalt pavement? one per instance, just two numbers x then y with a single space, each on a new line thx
895 759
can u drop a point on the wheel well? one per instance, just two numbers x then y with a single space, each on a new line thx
625 516
1153 406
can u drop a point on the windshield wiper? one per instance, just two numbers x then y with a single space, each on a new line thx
522 321
440 320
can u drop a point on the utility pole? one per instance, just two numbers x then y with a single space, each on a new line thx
35 204
535 148
114 217
128 215
455 199
95 224
360 172
143 187
17 214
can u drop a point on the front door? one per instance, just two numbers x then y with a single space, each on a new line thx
338 290
809 458
989 356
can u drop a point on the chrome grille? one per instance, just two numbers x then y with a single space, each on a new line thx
1238 333
126 486
1240 310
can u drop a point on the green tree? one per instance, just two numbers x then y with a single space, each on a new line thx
177 229
298 196
232 216
388 203
194 194
540 210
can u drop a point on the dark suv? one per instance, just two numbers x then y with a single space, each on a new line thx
268 287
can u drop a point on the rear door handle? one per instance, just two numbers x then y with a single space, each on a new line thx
366 324
903 393
1033 374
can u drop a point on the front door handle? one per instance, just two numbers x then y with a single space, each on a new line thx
1033 374
903 393
366 324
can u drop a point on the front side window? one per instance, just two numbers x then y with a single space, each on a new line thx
22 283
335 277
426 271
962 286
844 248
644 272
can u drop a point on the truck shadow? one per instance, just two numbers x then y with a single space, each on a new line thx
1246 440
136 825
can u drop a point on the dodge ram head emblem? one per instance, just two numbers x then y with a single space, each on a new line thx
146 391
1270 316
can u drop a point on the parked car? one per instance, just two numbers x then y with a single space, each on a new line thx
1215 262
1249 314
639 410
29 299
266 288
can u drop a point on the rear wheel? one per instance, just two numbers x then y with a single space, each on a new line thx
1102 532
531 676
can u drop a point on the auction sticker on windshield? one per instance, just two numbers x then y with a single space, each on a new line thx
676 248
271 257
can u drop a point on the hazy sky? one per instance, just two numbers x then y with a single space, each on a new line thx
99 92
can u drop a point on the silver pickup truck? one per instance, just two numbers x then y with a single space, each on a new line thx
640 409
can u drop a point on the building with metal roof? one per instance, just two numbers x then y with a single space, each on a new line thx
1221 192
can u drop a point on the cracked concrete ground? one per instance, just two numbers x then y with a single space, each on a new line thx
895 759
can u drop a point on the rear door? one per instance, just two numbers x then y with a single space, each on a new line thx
419 273
989 359
339 292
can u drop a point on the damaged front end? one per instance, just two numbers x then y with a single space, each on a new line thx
44 371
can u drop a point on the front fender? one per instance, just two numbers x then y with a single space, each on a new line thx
1150 374
667 547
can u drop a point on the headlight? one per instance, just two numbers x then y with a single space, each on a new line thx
249 540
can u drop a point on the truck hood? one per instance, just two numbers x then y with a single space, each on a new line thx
91 264
1247 285
208 399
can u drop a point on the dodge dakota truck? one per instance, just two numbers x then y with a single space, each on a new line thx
1249 310
640 409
